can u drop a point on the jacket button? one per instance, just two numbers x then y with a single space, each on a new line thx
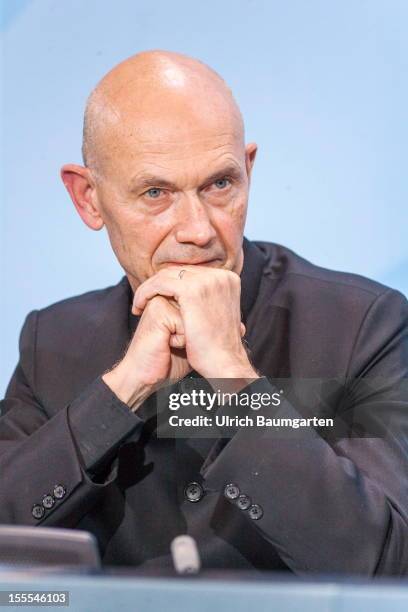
193 492
231 491
59 491
37 511
255 512
243 502
48 501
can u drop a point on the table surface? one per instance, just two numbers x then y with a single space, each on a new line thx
105 592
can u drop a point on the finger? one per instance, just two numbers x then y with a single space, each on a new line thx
174 324
160 283
174 270
174 303
177 341
164 286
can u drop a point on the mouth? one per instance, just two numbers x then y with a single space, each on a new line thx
207 263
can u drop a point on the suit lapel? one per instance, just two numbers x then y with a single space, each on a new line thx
99 342
111 333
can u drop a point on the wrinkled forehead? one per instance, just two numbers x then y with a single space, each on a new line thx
174 138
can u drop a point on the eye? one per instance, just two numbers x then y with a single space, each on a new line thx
154 192
221 183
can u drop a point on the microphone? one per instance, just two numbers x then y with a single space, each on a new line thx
185 555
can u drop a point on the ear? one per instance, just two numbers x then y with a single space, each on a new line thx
81 188
250 154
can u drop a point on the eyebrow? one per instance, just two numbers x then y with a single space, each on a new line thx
148 180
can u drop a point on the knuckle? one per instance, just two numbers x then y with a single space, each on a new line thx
155 304
234 278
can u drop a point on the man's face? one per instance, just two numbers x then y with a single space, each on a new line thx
175 194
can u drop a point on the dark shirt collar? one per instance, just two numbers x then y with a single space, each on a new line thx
254 261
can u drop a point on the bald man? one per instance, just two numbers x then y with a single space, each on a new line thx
167 172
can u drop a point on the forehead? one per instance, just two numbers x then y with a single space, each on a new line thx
160 105
173 140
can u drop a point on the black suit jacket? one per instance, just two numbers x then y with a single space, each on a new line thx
328 504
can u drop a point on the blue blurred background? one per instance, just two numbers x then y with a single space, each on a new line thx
323 88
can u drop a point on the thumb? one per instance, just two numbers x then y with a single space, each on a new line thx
175 324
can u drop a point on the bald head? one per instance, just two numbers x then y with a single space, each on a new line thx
155 94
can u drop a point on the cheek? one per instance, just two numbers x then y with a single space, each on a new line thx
231 220
238 205
230 226
132 238
240 213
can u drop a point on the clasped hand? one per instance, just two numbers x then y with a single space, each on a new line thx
203 305
187 321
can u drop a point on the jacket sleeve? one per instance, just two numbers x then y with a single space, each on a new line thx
50 468
338 506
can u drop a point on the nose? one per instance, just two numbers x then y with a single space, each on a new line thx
194 224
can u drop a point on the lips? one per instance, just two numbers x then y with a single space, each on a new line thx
207 262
